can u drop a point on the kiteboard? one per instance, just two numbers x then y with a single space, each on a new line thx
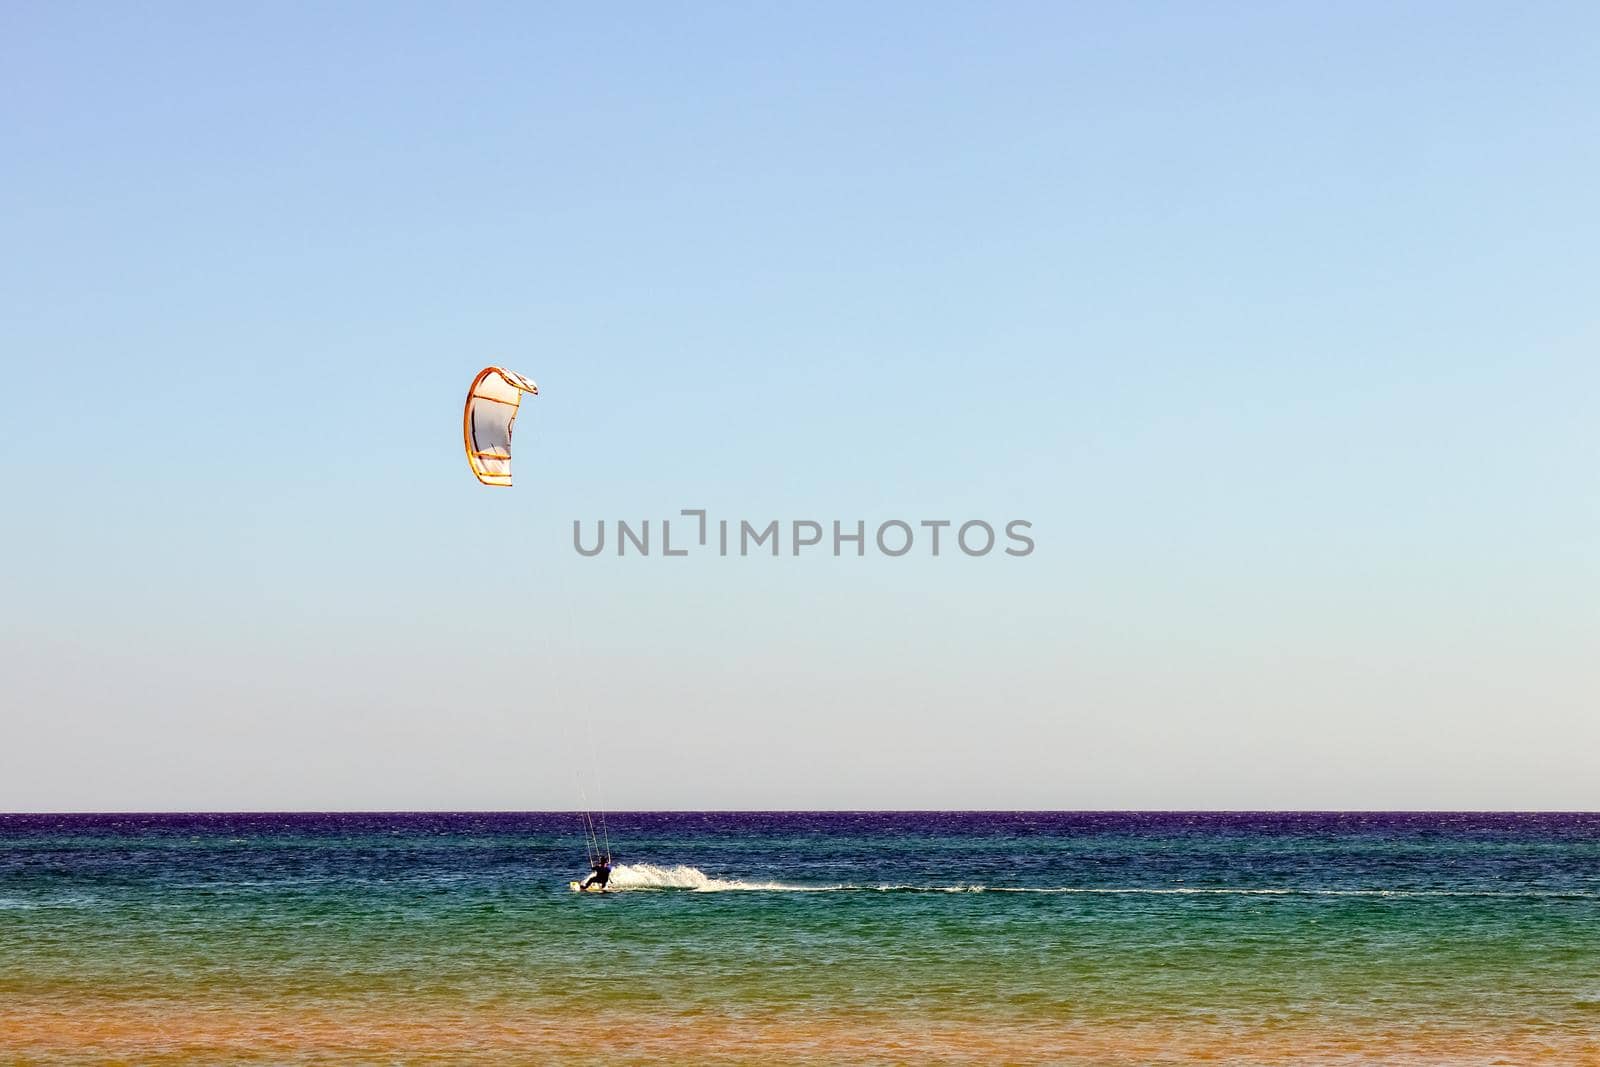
576 888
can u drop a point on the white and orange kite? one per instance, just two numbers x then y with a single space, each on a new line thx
492 404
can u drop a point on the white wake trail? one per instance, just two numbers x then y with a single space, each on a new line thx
647 876
682 876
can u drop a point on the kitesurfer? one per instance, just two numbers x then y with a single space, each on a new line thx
601 875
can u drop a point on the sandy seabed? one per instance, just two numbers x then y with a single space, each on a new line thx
116 1030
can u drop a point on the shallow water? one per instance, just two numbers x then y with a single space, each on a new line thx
870 937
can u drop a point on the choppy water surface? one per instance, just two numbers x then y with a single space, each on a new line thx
1049 936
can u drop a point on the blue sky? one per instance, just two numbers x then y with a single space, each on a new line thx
1277 322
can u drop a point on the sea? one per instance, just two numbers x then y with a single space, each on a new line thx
802 937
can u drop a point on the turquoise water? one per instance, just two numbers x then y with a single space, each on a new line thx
1421 937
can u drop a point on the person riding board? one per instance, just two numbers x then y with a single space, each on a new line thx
601 875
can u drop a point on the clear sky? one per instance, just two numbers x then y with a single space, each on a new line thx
1279 322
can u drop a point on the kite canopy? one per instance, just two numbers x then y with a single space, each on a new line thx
486 424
